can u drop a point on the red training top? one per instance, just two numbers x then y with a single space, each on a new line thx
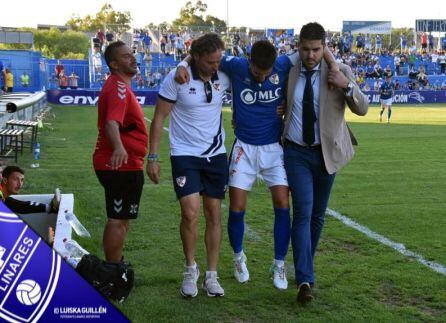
117 102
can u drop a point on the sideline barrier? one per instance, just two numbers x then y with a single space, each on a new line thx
90 97
410 97
21 106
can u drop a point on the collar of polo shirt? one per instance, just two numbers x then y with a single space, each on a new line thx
196 76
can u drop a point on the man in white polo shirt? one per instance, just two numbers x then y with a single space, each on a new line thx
198 155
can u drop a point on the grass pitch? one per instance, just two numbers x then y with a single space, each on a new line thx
395 186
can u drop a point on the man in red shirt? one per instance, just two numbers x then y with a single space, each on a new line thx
120 148
58 69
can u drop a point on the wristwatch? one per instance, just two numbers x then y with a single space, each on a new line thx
152 158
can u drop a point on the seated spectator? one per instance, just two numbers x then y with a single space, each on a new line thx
412 73
360 80
388 71
158 77
377 84
412 85
139 81
443 85
63 81
73 81
422 79
370 71
12 181
396 85
378 70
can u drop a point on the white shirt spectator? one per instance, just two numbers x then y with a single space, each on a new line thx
97 62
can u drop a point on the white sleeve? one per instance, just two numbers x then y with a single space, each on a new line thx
294 57
169 88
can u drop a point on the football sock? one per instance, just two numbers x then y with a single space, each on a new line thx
236 230
282 228
209 272
381 113
389 113
279 263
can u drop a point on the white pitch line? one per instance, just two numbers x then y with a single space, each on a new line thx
439 268
166 129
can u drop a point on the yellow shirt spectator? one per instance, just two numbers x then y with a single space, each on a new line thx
9 82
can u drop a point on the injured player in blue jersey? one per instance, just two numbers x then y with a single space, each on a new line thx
258 85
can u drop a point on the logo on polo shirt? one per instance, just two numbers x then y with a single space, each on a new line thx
192 90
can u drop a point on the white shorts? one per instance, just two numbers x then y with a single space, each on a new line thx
386 102
248 161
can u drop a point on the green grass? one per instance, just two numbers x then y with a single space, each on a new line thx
395 186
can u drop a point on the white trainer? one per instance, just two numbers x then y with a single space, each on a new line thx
279 276
189 286
241 272
211 285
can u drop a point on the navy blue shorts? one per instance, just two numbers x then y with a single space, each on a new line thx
207 176
122 192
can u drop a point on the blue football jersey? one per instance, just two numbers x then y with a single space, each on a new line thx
386 90
255 104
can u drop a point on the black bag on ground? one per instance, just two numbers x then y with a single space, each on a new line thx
113 280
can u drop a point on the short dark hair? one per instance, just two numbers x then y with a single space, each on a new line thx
312 31
110 51
8 170
206 44
263 54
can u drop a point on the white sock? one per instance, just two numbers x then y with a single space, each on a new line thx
238 255
279 263
194 266
210 272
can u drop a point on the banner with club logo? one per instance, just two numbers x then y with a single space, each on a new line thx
36 285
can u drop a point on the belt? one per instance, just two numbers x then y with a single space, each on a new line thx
309 147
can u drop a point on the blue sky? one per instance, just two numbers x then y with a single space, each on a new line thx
255 14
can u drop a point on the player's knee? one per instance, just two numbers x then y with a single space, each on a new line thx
213 219
281 203
189 216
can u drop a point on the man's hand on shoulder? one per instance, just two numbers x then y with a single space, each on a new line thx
181 75
338 80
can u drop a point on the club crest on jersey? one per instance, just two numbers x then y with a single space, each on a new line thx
274 79
249 96
181 181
